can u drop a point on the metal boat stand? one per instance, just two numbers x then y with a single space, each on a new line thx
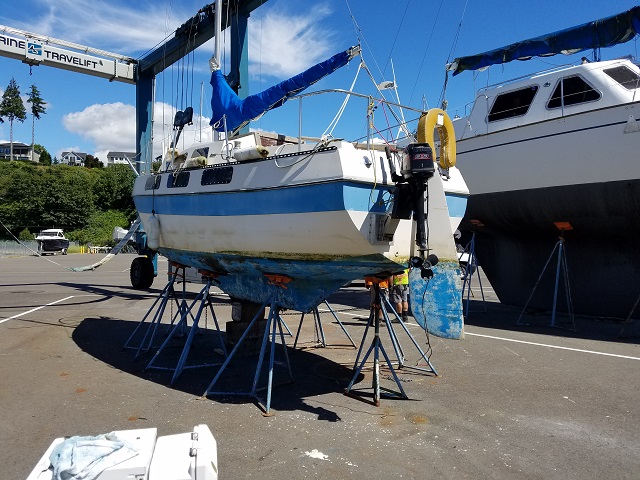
472 269
203 301
428 367
377 347
273 322
319 331
628 320
158 308
561 268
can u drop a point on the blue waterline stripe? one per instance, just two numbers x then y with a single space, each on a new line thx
322 197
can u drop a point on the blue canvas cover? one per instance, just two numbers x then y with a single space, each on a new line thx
605 32
224 101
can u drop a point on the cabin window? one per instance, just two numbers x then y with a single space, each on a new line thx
200 152
152 183
624 76
214 176
179 180
572 90
512 104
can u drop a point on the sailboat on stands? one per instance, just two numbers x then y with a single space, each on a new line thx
556 153
315 213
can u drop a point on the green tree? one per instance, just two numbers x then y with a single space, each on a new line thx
25 235
113 189
45 156
99 229
93 162
37 108
12 108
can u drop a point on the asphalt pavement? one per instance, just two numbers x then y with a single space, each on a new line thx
511 401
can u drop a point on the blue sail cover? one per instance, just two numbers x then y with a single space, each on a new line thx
224 101
605 32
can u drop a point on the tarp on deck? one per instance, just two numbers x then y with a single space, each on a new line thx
605 32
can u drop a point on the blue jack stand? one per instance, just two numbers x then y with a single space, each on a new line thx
158 307
428 367
273 322
472 268
204 302
561 267
319 331
377 347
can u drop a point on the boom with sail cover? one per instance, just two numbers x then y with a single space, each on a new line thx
605 32
224 101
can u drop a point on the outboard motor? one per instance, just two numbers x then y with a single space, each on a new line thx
417 168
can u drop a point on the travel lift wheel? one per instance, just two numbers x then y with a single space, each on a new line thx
141 273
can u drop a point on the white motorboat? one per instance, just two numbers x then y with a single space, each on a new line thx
556 153
52 240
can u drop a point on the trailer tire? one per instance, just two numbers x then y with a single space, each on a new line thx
141 273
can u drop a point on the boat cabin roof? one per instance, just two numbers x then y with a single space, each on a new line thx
53 232
552 94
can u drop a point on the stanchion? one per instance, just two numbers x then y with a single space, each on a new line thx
273 322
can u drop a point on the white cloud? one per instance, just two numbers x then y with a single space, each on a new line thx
113 25
112 127
284 43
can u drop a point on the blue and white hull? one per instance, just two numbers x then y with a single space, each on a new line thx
318 216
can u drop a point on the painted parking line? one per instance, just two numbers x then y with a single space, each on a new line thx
553 346
594 352
37 308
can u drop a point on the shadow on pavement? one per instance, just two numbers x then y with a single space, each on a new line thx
505 317
314 375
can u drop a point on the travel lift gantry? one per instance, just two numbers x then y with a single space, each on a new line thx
35 50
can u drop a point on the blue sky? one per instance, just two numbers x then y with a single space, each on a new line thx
92 115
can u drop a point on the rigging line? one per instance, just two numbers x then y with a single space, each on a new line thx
37 254
359 35
334 123
457 35
453 47
393 44
395 116
424 56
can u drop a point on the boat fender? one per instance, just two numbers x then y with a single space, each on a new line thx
250 153
196 162
437 118
153 232
179 160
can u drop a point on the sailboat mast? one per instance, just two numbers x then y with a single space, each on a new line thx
216 51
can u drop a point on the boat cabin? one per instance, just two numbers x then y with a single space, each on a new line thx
549 95
52 232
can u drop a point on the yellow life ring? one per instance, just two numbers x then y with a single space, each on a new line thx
438 118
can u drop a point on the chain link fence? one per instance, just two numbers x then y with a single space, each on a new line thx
11 248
